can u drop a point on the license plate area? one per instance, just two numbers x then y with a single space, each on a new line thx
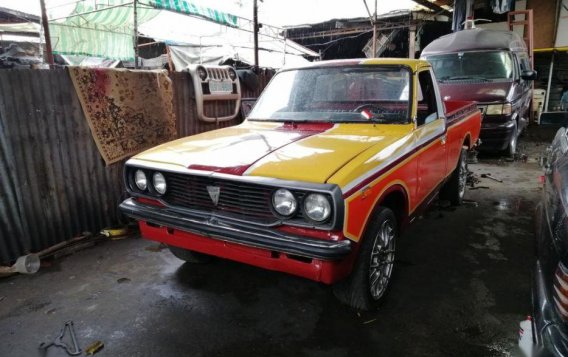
220 87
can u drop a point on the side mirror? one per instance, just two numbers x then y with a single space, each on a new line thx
529 75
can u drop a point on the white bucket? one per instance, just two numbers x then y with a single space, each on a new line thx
27 264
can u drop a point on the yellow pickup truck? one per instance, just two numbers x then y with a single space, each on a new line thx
331 164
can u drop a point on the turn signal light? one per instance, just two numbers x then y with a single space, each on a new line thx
561 290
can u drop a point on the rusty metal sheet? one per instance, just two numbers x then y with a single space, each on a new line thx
54 184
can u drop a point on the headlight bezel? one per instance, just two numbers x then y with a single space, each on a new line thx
300 216
149 190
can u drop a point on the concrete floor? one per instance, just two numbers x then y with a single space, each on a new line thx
462 285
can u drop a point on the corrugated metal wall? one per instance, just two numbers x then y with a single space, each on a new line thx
53 182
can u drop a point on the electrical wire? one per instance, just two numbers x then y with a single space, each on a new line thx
340 39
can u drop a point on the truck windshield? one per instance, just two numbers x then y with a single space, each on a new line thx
483 66
341 94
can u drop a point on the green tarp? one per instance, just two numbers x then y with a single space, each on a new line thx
92 42
108 30
189 8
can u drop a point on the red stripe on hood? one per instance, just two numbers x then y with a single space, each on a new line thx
303 129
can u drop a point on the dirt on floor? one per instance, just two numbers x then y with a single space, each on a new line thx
462 285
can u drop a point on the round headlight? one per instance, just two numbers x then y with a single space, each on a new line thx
317 207
202 73
232 74
284 202
140 180
159 182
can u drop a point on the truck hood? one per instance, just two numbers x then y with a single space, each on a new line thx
484 92
309 152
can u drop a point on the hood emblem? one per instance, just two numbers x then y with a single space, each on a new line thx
214 192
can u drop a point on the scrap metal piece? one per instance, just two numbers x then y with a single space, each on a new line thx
94 348
491 177
74 350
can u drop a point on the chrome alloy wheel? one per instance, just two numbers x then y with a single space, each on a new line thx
382 260
462 176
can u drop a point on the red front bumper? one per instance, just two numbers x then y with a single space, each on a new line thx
324 271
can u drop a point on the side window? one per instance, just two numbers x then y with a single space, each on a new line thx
426 97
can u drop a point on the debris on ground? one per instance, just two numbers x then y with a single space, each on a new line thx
94 348
26 264
470 203
119 232
472 179
73 350
123 280
491 177
85 240
479 187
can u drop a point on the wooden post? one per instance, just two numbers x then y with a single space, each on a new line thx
411 41
45 23
135 34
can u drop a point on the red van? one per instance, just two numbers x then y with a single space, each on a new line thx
491 68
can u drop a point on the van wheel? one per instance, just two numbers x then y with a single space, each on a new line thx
454 189
512 148
368 284
189 255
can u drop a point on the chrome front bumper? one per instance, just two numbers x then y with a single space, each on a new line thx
215 227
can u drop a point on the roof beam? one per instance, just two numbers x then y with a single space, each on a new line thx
356 30
433 7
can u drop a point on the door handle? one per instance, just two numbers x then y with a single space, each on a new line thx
444 138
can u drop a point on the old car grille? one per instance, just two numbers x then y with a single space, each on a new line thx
236 199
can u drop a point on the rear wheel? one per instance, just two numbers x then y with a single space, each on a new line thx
190 256
368 284
454 189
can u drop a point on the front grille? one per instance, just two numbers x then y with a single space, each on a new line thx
236 199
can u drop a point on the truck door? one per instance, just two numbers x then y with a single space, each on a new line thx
430 136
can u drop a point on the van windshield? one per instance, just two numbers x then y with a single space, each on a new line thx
342 94
482 66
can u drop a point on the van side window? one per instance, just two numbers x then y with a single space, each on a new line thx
426 96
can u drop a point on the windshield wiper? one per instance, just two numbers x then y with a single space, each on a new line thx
361 119
458 78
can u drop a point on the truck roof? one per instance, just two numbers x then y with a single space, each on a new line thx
414 64
476 40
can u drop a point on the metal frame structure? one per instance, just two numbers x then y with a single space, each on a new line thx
242 24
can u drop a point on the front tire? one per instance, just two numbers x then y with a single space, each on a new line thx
367 286
454 189
512 147
189 255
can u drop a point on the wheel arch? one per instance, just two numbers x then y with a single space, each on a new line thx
467 140
396 198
